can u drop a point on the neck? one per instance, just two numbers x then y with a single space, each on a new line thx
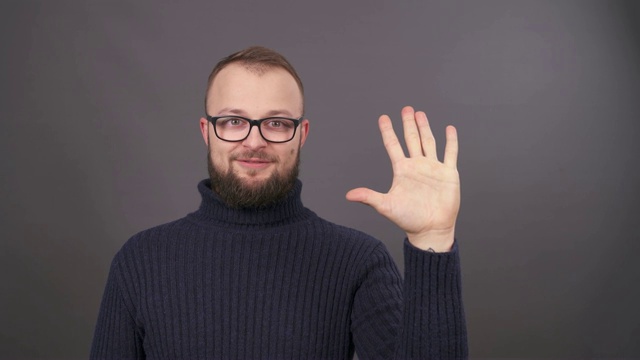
213 210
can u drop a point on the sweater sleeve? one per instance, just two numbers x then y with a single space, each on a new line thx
433 324
420 319
116 335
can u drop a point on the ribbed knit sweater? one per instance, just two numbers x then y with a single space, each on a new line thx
275 283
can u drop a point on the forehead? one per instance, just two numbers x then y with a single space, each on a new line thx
254 90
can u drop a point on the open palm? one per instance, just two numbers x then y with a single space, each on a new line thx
424 197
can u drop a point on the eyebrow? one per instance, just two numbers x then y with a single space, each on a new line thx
240 112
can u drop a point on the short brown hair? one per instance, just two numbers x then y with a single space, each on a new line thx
257 58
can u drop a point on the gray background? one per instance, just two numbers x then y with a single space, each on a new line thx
99 139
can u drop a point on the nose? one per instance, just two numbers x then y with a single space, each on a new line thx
255 139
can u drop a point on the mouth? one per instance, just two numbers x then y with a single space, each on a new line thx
253 163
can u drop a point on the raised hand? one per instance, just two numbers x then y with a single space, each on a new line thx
424 197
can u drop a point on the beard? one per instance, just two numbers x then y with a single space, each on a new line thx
243 194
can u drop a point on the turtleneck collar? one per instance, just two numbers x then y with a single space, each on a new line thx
215 212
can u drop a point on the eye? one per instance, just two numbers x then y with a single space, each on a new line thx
278 124
275 123
231 122
234 121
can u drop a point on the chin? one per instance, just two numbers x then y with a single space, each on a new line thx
253 180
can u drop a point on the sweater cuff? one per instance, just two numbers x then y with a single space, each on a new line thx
408 244
430 270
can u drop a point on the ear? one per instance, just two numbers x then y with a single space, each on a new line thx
304 131
204 129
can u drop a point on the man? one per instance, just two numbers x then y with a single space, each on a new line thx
254 274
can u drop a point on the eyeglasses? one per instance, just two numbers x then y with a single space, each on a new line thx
237 128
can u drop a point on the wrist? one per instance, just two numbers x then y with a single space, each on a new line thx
433 240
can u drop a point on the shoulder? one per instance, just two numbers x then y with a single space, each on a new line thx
348 239
148 240
369 257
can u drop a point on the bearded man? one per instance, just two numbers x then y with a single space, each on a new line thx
253 274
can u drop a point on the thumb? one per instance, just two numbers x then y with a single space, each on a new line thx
366 196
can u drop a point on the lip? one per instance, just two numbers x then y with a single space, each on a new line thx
254 163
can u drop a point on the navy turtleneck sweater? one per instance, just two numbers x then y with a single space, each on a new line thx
275 283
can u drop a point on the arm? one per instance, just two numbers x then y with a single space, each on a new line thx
424 200
116 335
433 323
420 319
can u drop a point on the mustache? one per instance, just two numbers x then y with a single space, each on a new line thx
255 155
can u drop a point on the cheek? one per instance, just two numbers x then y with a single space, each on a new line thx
288 157
290 154
217 161
219 157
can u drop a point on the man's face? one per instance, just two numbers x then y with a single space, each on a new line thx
253 167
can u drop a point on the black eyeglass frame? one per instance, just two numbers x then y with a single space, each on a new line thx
252 123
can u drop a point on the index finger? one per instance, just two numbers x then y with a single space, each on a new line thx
390 140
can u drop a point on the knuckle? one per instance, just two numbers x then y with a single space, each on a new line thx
428 139
391 142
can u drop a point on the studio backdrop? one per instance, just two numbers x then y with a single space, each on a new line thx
99 139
